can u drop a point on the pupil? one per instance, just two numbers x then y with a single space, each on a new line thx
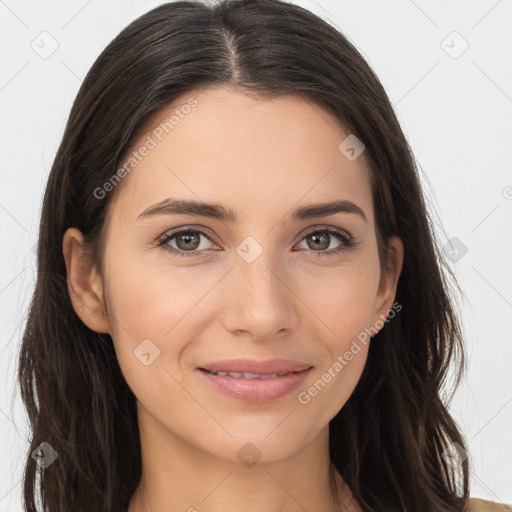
187 238
318 239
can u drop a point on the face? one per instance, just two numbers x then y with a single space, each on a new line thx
187 290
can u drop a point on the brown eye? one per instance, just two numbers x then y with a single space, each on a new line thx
319 240
188 242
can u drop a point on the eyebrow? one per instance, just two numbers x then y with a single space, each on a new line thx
216 211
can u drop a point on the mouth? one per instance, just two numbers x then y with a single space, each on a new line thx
248 375
251 368
254 388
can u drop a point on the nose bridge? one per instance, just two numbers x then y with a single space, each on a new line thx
260 301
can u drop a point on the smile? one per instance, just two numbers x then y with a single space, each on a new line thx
248 375
254 388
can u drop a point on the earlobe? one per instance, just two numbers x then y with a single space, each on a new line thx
84 283
389 280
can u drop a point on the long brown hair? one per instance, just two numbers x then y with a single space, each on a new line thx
389 440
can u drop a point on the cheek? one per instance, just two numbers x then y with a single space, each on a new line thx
333 385
153 313
340 370
343 306
341 299
151 299
160 304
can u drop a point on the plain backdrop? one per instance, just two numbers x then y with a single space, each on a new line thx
446 67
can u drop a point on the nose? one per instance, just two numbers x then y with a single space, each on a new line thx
259 300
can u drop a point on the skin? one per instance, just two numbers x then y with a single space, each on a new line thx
261 158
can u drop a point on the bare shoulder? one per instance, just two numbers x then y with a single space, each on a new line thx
478 505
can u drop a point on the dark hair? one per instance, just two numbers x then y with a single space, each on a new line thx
387 441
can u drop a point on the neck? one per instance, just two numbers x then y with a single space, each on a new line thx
178 476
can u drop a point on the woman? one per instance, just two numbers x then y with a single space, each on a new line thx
186 349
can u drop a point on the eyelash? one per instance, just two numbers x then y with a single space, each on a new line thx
347 242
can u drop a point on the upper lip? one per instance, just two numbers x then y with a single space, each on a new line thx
252 366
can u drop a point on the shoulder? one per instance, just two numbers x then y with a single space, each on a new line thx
478 505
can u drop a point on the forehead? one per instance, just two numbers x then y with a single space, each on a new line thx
251 155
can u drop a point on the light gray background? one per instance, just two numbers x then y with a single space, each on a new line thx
455 108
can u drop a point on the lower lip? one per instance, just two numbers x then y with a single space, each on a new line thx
256 391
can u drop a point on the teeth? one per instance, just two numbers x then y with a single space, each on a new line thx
248 375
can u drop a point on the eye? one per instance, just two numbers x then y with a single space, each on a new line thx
322 238
188 242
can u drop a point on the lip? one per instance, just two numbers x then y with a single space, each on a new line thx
253 366
257 391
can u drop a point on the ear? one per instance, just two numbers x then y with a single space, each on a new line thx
84 284
388 281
